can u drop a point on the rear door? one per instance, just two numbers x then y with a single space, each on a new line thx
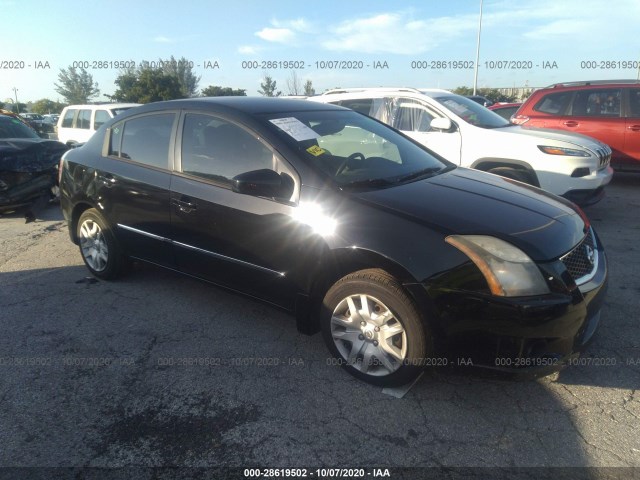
134 180
597 113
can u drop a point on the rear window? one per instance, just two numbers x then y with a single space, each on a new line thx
146 139
554 103
597 103
67 121
634 102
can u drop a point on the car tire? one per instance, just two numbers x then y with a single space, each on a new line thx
98 246
386 341
513 173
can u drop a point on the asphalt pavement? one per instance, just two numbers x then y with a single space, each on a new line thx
159 369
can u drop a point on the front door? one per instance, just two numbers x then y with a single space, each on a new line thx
232 239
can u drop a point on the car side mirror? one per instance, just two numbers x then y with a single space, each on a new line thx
441 123
259 183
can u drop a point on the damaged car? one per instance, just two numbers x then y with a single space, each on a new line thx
400 258
28 165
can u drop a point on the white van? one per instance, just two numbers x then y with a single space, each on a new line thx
77 123
468 134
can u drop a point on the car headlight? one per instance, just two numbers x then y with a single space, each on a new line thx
508 270
570 152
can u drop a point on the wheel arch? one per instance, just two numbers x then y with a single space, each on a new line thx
77 211
335 265
486 164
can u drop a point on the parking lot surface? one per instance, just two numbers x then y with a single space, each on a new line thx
160 369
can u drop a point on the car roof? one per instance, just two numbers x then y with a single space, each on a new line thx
248 105
105 105
437 92
593 83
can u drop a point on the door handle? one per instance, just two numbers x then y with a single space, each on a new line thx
571 123
634 128
185 204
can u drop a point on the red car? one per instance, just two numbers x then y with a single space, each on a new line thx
607 110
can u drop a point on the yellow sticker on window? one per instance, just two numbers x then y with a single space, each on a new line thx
316 151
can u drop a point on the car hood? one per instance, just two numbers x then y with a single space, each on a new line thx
576 139
29 154
470 202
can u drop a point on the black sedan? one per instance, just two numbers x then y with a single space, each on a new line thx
28 165
401 259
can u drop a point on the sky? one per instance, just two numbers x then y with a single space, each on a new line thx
333 43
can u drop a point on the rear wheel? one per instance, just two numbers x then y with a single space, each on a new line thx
98 246
374 329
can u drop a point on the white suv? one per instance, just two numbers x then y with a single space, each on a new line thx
468 134
77 123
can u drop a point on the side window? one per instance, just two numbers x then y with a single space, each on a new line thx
634 102
101 117
115 139
412 116
67 121
146 139
554 103
362 105
597 103
84 119
215 149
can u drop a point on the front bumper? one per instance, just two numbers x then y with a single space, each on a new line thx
584 198
589 190
526 335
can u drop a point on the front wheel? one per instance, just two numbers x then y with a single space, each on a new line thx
98 246
374 329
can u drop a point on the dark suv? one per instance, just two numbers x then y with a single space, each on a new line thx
400 258
608 110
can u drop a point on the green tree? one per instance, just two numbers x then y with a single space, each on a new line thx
182 70
268 87
309 91
45 106
76 85
146 84
216 91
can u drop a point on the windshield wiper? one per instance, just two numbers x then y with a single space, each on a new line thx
425 172
368 183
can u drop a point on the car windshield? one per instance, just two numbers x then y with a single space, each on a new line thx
471 112
355 150
13 128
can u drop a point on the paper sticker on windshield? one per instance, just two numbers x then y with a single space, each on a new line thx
316 151
295 128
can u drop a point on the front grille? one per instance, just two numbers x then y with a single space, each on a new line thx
604 156
582 261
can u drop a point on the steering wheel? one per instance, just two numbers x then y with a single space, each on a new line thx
344 164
